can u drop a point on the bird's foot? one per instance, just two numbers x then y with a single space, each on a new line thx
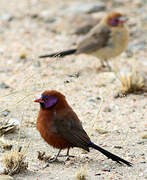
53 159
65 155
105 65
109 68
68 158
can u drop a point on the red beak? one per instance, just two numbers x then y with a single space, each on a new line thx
122 20
39 100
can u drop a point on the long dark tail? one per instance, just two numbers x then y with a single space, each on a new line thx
110 155
59 54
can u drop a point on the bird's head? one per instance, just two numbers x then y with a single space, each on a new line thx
50 99
115 19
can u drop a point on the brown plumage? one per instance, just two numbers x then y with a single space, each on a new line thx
106 40
61 128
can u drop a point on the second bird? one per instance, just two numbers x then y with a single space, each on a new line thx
60 127
106 40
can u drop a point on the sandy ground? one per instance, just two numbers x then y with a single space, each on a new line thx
28 28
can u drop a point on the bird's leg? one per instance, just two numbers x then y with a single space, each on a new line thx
62 155
109 66
56 156
102 63
67 155
105 63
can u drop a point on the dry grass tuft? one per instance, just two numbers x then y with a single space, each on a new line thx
14 161
82 173
131 82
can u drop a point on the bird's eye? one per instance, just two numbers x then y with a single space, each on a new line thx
44 98
116 19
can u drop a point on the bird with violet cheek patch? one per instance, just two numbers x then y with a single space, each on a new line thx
61 128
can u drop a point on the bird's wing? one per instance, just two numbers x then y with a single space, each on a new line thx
97 38
70 128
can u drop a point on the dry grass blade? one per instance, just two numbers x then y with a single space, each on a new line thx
9 126
82 173
18 102
94 121
5 129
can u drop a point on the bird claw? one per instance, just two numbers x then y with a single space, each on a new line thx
54 159
66 159
103 66
66 156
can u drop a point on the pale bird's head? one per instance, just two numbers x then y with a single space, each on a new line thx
115 19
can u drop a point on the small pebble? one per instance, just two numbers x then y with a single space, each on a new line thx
143 162
118 147
133 110
98 98
6 17
34 16
116 95
47 16
37 64
132 127
98 174
107 109
91 99
5 113
142 142
101 131
4 86
13 121
66 81
83 7
106 168
74 75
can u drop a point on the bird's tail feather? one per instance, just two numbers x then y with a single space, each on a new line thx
59 54
109 154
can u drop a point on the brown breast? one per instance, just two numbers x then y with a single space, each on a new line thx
45 126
